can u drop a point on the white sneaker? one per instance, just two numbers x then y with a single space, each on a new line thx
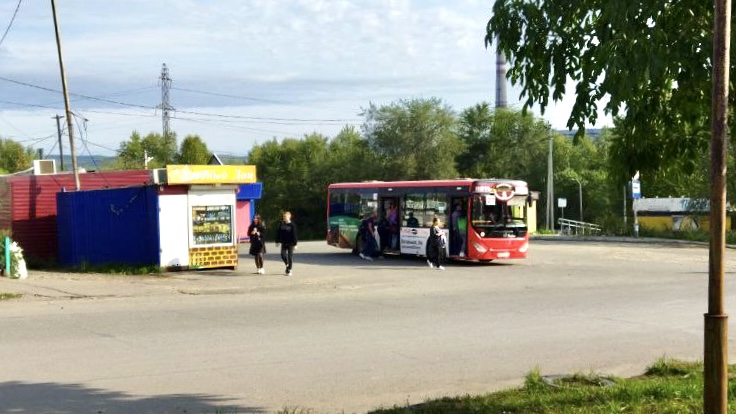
441 268
262 271
289 273
462 254
431 266
362 256
368 258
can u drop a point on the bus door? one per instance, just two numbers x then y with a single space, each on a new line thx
458 226
388 229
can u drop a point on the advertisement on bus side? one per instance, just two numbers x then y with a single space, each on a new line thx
343 230
414 240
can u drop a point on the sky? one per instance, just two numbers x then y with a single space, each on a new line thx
243 71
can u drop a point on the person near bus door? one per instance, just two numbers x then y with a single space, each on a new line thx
256 230
436 245
286 236
367 232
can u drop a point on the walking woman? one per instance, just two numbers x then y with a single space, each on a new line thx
256 231
436 244
286 236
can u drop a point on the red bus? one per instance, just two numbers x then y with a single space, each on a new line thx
484 219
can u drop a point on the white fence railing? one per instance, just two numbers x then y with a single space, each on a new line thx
578 228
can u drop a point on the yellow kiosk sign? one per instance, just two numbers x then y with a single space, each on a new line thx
210 174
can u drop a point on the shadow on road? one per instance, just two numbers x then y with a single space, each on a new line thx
41 398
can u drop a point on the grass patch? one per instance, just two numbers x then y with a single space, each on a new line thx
7 296
117 270
667 387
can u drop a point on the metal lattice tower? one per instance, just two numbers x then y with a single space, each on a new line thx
166 108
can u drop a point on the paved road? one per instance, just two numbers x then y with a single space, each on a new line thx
344 334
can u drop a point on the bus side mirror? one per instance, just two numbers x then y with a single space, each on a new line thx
529 200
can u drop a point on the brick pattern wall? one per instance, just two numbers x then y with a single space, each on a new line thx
210 257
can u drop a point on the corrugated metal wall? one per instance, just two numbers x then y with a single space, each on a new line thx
114 226
34 205
5 202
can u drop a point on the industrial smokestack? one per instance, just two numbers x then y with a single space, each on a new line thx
501 101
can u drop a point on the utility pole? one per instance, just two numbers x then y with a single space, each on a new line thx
146 159
580 186
166 108
69 121
550 188
626 220
715 353
61 149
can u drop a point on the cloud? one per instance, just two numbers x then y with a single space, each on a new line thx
295 58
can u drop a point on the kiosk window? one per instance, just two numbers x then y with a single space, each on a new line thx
212 225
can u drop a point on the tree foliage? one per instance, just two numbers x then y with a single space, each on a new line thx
14 156
193 151
414 139
132 152
649 58
503 143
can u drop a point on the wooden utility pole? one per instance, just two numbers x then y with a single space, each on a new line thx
69 120
716 321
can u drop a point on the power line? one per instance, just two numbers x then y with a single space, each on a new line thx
255 119
12 19
280 121
225 95
92 98
82 133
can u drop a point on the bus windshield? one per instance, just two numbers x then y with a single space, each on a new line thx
487 212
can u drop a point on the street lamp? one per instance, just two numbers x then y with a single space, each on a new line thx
580 187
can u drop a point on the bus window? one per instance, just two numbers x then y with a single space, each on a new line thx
436 207
345 204
413 211
487 212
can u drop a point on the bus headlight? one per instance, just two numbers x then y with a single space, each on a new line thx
479 248
524 247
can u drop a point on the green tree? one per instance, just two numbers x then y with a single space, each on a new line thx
503 143
14 156
193 151
295 176
132 152
351 158
413 139
646 62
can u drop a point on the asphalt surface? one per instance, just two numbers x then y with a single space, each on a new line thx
345 334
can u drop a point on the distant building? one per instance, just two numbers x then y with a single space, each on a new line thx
676 213
593 133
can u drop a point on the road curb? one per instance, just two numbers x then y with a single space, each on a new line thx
616 239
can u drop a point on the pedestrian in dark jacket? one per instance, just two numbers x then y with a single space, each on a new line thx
436 244
286 236
256 231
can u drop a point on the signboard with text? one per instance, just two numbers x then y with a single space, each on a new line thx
211 174
635 189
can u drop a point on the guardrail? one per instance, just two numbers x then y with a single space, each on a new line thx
575 228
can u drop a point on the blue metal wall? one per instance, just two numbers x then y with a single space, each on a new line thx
250 191
113 226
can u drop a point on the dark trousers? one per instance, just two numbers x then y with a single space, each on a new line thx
259 260
434 254
287 255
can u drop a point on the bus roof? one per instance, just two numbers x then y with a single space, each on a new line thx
426 183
